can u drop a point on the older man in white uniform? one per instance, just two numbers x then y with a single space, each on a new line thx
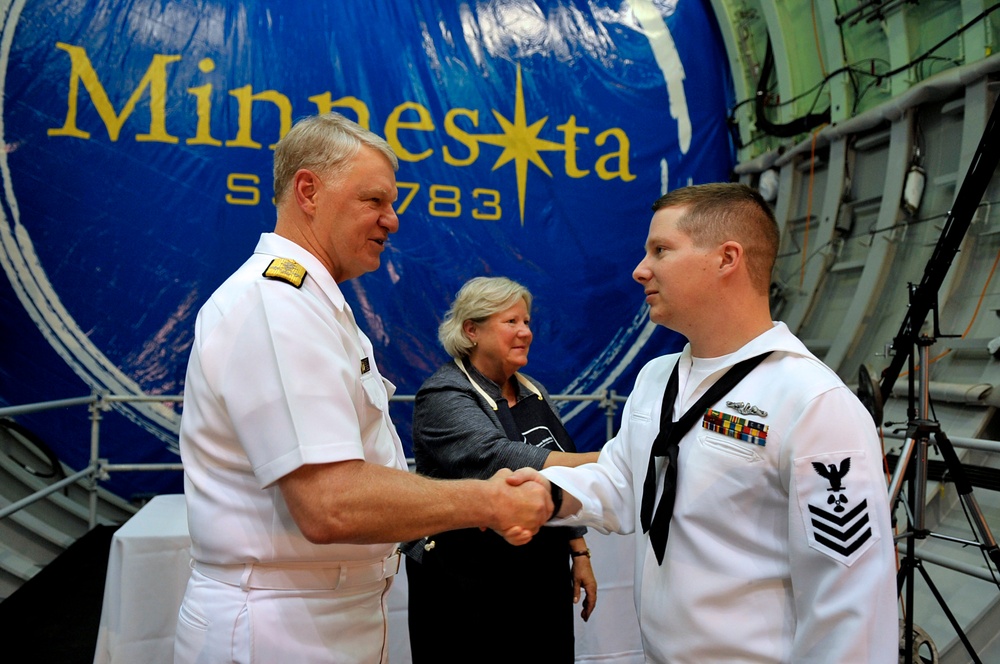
295 479
769 539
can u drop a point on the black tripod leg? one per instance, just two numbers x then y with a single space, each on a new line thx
905 575
909 560
964 488
947 612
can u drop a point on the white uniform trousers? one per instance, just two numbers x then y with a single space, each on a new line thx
220 623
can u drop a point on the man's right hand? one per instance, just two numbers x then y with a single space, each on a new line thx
522 476
521 509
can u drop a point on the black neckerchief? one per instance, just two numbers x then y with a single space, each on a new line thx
666 444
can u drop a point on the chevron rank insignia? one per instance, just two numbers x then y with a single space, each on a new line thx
287 270
835 504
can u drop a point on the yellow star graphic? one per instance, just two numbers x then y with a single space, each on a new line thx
520 143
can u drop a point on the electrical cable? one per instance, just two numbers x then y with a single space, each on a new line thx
788 129
810 120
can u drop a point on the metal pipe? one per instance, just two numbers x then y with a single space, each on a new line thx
95 461
965 443
964 568
144 398
45 405
123 467
41 493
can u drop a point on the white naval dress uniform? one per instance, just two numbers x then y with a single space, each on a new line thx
279 377
780 547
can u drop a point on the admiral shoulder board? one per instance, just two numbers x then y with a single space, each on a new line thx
287 270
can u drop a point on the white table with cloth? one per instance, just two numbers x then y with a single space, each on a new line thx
149 564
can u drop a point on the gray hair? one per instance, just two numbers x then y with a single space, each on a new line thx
477 300
324 144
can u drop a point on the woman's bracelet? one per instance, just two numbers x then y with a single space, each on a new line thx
577 554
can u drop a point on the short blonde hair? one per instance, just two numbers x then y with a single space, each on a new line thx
477 300
720 211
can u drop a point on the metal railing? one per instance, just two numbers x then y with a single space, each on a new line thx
99 468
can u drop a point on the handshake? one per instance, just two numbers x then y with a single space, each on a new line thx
522 502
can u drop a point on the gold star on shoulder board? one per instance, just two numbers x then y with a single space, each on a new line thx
287 270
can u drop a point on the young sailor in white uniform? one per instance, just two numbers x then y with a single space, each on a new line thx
761 520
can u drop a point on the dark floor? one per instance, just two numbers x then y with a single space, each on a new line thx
56 614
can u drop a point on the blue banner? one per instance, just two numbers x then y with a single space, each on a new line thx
533 137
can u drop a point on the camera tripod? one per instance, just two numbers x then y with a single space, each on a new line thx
915 450
920 428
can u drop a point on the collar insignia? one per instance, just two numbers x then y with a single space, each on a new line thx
746 408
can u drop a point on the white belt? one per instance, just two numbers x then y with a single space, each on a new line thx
302 576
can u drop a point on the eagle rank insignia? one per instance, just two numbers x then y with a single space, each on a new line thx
834 502
287 270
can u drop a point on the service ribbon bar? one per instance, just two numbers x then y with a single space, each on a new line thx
735 427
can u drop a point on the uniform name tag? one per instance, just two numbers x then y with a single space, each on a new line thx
735 427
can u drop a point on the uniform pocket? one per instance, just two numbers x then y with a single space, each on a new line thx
191 618
641 416
375 389
729 447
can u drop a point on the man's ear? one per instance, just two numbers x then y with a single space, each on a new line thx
731 256
306 186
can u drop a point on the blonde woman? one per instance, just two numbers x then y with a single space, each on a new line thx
470 591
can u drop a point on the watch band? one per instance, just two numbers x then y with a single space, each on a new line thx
557 499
